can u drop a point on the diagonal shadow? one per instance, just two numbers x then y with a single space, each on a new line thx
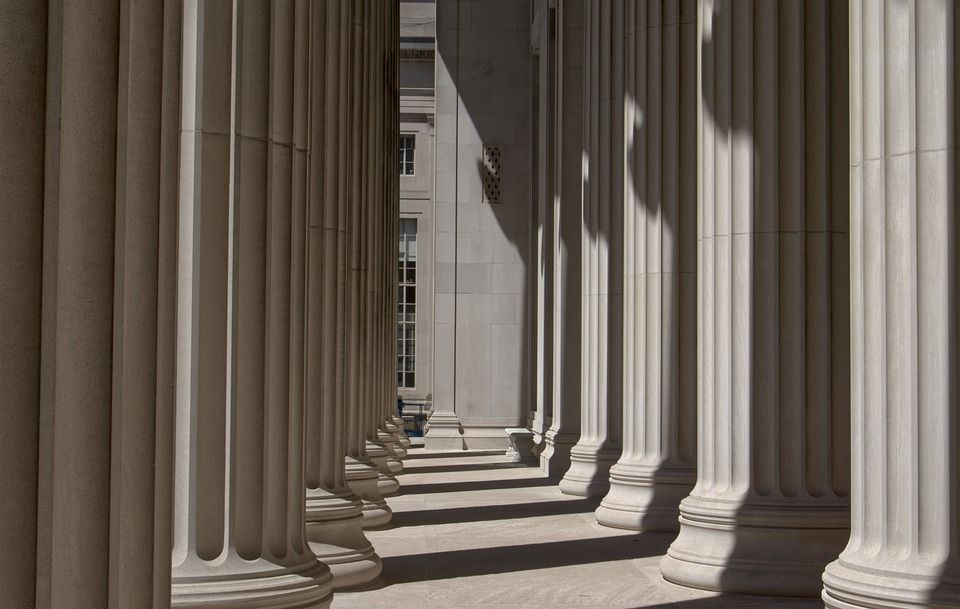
476 485
469 467
454 455
527 557
484 513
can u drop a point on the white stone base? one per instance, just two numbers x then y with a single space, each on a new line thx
555 457
589 471
260 584
772 551
362 479
334 531
644 498
444 432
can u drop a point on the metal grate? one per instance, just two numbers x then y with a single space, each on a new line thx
491 174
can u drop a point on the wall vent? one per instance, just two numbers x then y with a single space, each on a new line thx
491 175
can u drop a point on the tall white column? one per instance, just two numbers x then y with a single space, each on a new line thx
361 472
238 492
601 375
334 518
543 249
658 466
371 257
904 86
444 430
769 509
565 239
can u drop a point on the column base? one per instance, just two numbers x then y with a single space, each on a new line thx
555 457
334 531
362 480
259 584
848 585
645 498
766 550
445 433
386 483
389 441
401 434
589 471
398 449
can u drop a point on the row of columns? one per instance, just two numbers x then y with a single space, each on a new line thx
765 237
199 213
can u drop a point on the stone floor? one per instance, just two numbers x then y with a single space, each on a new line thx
471 530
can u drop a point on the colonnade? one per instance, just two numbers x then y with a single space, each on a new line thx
764 244
198 215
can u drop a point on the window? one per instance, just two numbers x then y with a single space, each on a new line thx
407 305
407 144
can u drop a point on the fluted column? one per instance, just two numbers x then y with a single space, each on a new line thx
565 239
23 28
371 258
238 493
657 468
903 549
544 97
362 473
391 180
769 509
385 276
334 519
602 253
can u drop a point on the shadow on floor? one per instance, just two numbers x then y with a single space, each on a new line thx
415 454
476 485
527 557
469 467
494 512
738 601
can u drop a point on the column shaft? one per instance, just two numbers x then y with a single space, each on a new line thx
565 239
657 467
601 375
77 372
23 28
334 521
904 86
238 492
773 313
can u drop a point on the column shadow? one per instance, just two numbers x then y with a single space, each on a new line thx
486 513
476 485
468 467
527 557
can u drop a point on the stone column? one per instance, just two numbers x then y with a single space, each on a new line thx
370 390
238 492
385 276
391 179
543 256
565 239
444 430
769 509
601 375
904 86
23 28
361 472
334 518
657 468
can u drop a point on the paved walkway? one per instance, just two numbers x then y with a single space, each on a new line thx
471 530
